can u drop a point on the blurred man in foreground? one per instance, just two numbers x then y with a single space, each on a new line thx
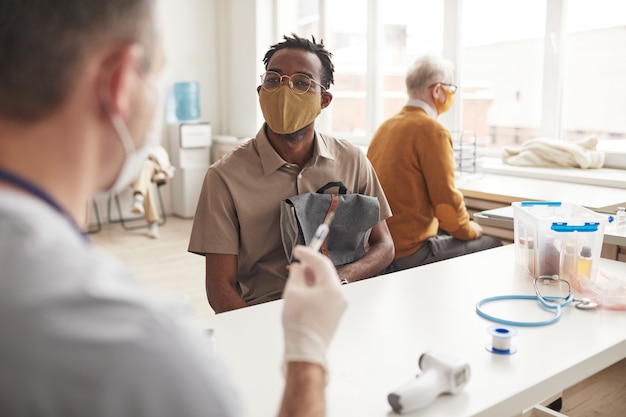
78 91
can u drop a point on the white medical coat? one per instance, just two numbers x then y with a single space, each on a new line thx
80 337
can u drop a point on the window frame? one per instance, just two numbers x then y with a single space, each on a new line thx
551 124
453 20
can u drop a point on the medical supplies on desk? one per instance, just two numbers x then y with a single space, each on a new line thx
565 240
441 374
553 238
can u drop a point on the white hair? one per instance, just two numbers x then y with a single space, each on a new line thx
425 72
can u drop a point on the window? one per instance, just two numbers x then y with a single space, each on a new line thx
346 38
407 30
594 81
526 68
371 56
502 69
301 17
410 30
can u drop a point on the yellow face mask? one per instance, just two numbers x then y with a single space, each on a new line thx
287 112
445 106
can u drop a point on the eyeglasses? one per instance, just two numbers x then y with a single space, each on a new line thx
450 87
299 83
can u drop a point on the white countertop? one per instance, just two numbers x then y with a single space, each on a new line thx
506 189
394 318
603 177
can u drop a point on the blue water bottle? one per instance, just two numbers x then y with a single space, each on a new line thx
187 96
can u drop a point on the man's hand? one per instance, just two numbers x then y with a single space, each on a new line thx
477 228
313 307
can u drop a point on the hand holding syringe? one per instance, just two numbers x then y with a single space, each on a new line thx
320 234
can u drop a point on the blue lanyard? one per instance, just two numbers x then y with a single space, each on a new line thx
41 194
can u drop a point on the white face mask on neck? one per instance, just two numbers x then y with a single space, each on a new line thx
134 158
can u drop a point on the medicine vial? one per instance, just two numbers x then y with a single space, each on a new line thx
620 217
583 263
568 264
531 256
549 258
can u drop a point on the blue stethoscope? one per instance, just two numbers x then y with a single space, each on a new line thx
551 303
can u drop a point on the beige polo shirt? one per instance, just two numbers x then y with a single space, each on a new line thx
239 206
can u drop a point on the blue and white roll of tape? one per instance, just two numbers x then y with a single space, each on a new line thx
501 340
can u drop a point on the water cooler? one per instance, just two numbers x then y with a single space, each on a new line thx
190 153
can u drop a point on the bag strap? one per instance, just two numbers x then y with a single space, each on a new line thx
342 187
334 202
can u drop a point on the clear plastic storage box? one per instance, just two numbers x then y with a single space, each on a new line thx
554 238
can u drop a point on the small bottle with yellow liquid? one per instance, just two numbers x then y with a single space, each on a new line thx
583 264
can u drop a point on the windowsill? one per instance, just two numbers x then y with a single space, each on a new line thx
606 177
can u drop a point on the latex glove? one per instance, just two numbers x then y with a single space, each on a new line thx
313 307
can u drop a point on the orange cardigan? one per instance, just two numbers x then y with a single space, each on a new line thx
414 160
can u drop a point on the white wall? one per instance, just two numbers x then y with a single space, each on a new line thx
190 30
220 44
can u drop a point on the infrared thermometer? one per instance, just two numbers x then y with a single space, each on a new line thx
441 374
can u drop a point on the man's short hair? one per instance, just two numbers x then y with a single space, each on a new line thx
426 71
296 42
43 44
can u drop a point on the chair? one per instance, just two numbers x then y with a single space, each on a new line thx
129 223
155 172
98 225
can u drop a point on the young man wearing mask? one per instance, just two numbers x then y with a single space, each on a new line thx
236 226
414 160
81 338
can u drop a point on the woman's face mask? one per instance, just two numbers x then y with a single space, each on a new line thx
287 112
